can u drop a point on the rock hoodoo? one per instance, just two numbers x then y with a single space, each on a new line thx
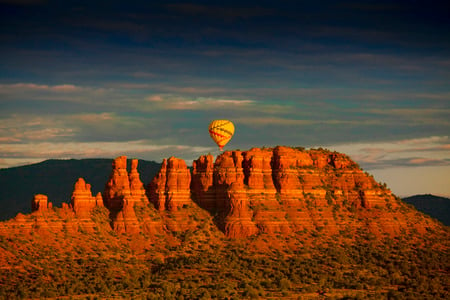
39 203
169 189
118 185
275 191
123 192
202 182
82 200
137 189
286 190
122 185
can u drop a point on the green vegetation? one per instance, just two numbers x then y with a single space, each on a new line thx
198 268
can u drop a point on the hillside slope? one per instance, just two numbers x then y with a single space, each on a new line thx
435 206
276 223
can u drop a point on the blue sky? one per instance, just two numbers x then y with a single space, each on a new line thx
369 78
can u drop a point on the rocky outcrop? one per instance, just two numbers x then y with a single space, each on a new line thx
137 190
123 192
126 221
118 185
122 185
202 185
285 190
170 188
238 221
276 191
39 203
82 200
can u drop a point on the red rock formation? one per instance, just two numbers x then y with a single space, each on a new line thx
118 185
137 189
285 190
39 203
340 161
202 182
122 192
99 200
258 170
156 189
273 191
121 185
238 221
82 200
126 220
178 184
170 188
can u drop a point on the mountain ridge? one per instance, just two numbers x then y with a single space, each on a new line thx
272 222
436 206
55 178
270 190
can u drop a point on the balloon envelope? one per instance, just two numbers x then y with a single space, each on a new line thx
221 132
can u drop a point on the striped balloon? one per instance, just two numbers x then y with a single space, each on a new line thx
221 132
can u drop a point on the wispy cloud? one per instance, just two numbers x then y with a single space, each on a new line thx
20 128
13 154
426 151
60 92
172 102
270 121
93 118
39 87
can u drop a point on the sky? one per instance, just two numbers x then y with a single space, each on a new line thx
91 79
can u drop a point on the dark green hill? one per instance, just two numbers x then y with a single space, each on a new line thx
437 207
56 178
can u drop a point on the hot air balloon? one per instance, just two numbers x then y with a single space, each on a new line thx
221 132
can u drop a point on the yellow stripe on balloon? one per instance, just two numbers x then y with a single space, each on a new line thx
221 132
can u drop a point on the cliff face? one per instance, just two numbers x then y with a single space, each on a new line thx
122 193
118 185
285 190
39 203
169 189
169 192
82 200
278 191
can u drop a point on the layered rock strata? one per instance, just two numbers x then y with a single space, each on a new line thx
118 185
122 193
276 191
285 190
82 200
170 188
39 203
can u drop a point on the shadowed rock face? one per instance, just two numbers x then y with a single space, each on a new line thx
276 191
82 200
285 190
169 189
118 185
123 192
39 203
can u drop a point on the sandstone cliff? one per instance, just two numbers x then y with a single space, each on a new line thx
118 185
122 193
169 192
285 190
82 200
39 203
169 189
279 191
